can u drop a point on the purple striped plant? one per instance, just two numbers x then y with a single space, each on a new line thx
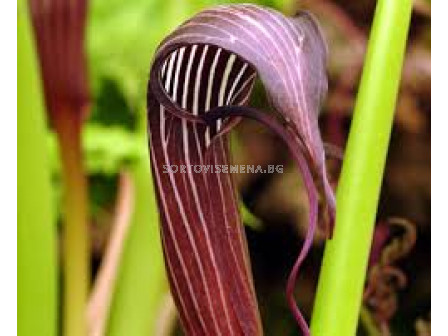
59 31
200 83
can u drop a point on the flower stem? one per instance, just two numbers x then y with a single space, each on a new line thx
75 237
368 322
341 282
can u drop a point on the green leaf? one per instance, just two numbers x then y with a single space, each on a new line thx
106 149
141 281
36 227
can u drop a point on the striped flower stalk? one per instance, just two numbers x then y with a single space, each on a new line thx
200 83
59 27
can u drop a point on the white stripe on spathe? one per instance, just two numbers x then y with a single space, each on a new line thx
167 88
170 70
197 83
211 78
187 76
177 73
224 81
235 83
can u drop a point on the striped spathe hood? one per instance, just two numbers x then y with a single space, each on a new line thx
200 83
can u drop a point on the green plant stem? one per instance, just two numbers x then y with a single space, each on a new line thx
342 277
36 225
368 322
75 237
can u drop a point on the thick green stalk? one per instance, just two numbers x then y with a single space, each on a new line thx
75 231
36 225
341 282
